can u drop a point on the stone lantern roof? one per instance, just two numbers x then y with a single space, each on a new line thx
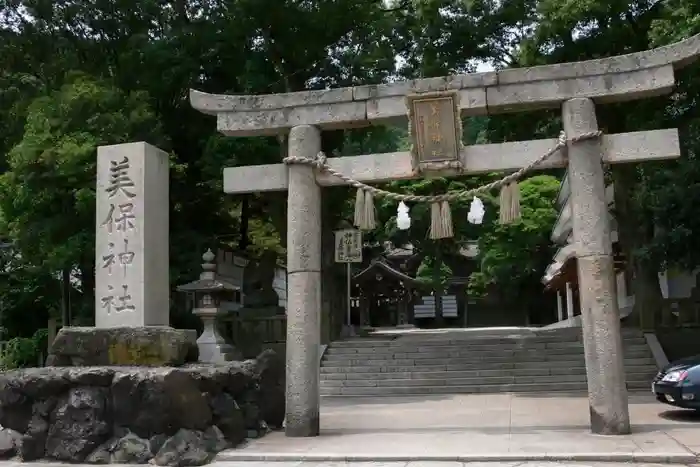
208 282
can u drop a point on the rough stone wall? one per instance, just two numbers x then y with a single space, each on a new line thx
166 416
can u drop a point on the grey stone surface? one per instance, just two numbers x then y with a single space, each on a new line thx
424 366
600 315
132 285
656 349
147 346
478 428
370 463
375 168
609 79
304 287
185 448
179 416
9 441
605 88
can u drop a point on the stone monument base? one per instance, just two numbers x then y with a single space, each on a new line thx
135 415
144 346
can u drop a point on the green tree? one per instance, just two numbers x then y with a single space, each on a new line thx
47 195
653 235
513 257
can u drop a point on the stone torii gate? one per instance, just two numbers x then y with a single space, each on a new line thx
574 87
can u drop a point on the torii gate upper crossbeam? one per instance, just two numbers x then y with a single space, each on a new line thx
612 79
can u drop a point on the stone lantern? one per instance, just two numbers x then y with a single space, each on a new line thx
209 292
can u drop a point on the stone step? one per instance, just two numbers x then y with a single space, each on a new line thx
473 389
444 374
505 347
330 355
369 366
482 361
366 342
487 381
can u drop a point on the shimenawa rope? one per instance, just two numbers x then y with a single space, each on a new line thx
441 217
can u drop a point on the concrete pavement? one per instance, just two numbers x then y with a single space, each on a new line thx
480 428
367 464
432 464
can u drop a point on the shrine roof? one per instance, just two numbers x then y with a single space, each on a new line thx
612 79
564 268
381 266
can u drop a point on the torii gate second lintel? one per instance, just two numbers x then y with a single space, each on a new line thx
482 158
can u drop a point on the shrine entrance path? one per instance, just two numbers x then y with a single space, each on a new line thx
481 427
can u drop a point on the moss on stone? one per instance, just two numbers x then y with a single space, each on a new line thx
145 346
137 353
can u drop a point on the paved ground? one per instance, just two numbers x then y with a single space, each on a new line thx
431 464
368 464
481 427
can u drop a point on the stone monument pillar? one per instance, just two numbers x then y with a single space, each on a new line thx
132 264
600 317
304 286
132 289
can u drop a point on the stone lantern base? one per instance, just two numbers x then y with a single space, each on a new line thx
213 347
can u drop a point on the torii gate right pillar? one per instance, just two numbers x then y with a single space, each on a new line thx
607 388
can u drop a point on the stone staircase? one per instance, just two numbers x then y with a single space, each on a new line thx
461 363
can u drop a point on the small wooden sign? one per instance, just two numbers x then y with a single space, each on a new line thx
436 129
348 246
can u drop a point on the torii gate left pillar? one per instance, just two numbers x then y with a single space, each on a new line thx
303 286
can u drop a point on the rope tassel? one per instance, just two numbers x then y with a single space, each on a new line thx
441 217
359 207
440 220
509 203
364 210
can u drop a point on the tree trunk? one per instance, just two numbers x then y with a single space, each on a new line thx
333 279
647 296
329 289
87 283
244 239
437 263
65 297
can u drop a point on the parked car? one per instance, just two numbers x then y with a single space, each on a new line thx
678 383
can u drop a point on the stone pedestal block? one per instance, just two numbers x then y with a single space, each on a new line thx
146 346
